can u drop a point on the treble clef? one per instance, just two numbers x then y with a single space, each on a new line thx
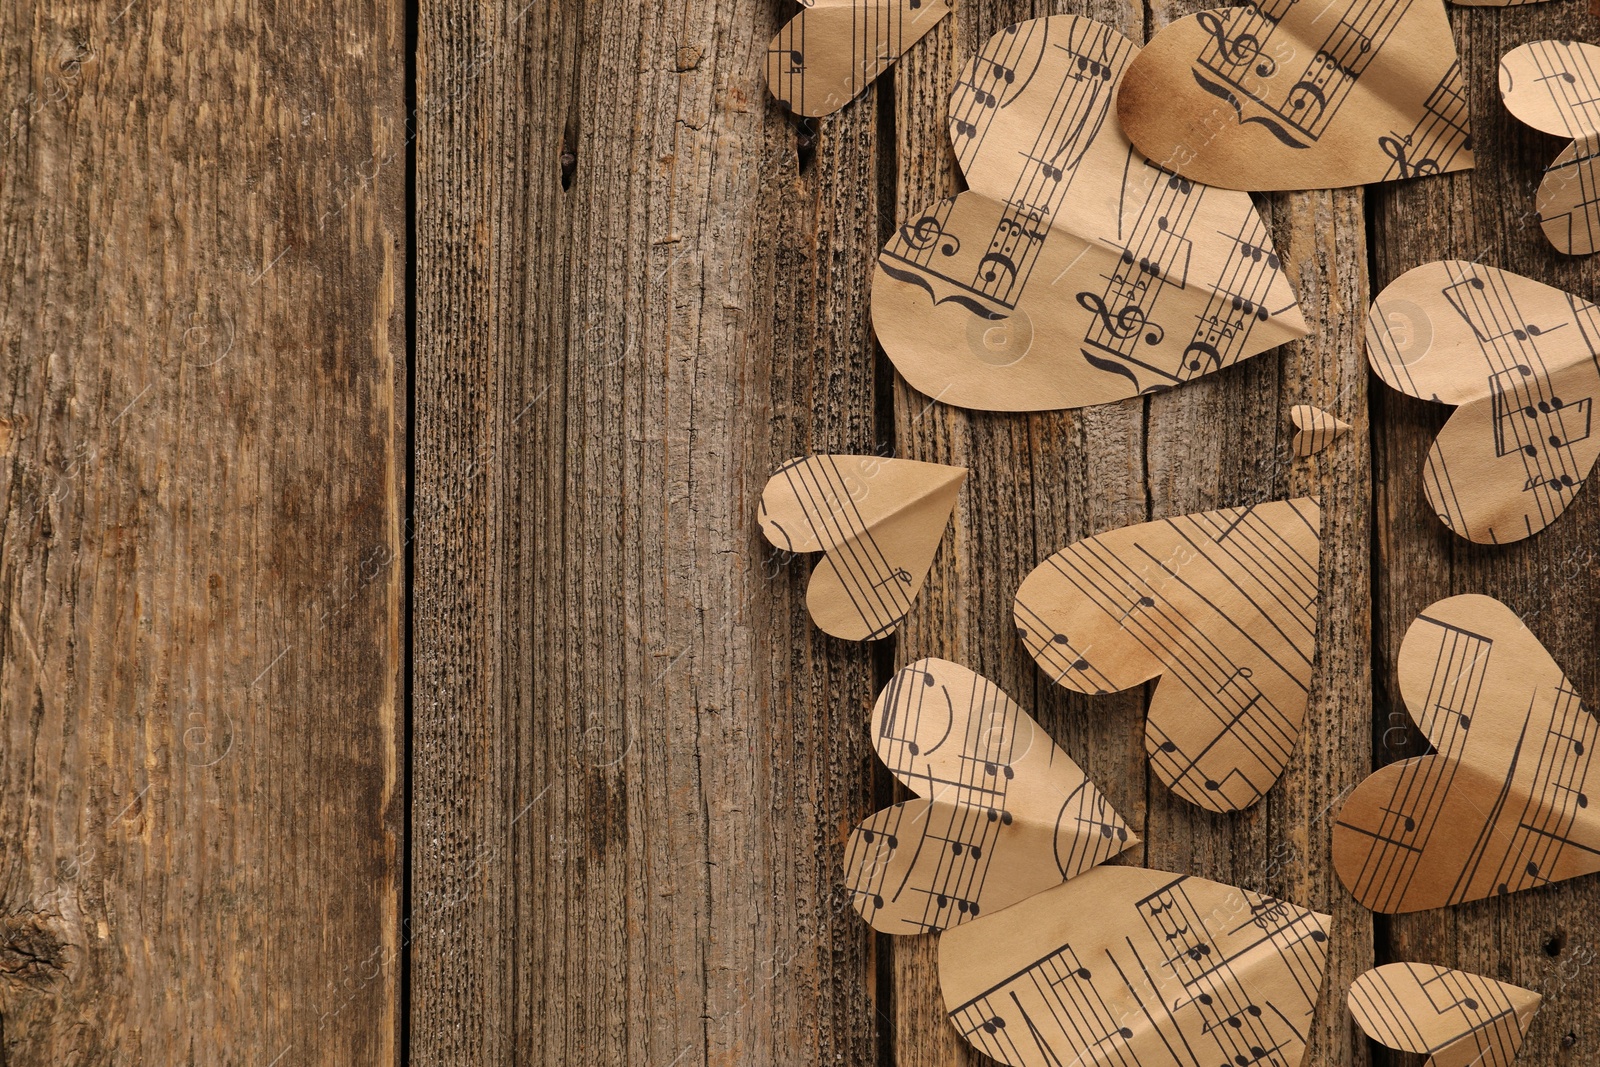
923 232
1236 50
1123 323
1398 149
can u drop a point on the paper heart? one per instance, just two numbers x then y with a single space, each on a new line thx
1518 359
1001 812
1072 271
1504 804
1315 429
834 49
1046 959
1554 86
1295 95
1457 1018
880 521
1222 607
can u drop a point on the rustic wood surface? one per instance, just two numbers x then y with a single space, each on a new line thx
505 738
202 395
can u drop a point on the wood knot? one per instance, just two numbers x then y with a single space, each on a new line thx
34 950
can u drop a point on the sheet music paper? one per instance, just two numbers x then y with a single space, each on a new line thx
1504 804
1315 429
833 49
1291 94
1518 359
1001 813
880 522
1072 271
1221 606
1554 86
1455 1018
1116 966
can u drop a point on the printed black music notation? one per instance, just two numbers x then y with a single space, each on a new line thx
1125 966
1001 812
1123 277
1555 86
1451 1016
880 522
1519 358
834 49
1504 804
1222 606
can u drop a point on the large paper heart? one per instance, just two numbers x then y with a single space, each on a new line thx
1222 607
880 521
1288 94
1517 357
1505 803
1458 1019
1072 271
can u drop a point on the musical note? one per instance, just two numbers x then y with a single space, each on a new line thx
1555 86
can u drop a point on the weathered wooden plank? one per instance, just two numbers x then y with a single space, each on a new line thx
1540 939
635 759
202 262
1041 481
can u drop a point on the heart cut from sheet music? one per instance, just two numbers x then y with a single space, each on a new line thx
1045 958
1072 271
833 49
1518 359
1455 1018
880 522
1287 95
1221 606
1315 429
1554 86
1504 803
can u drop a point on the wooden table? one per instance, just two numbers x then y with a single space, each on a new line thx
391 666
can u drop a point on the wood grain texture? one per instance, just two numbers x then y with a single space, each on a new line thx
202 261
635 760
1541 939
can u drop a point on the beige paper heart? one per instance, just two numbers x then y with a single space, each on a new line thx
827 54
1286 95
1222 607
1315 429
1455 1018
1072 271
1516 357
1504 805
1554 86
880 522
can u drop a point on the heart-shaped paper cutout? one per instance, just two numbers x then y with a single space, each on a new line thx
880 521
1505 803
834 49
1001 812
1517 357
1554 86
1458 1019
1315 429
1122 966
1222 607
1286 95
1072 271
